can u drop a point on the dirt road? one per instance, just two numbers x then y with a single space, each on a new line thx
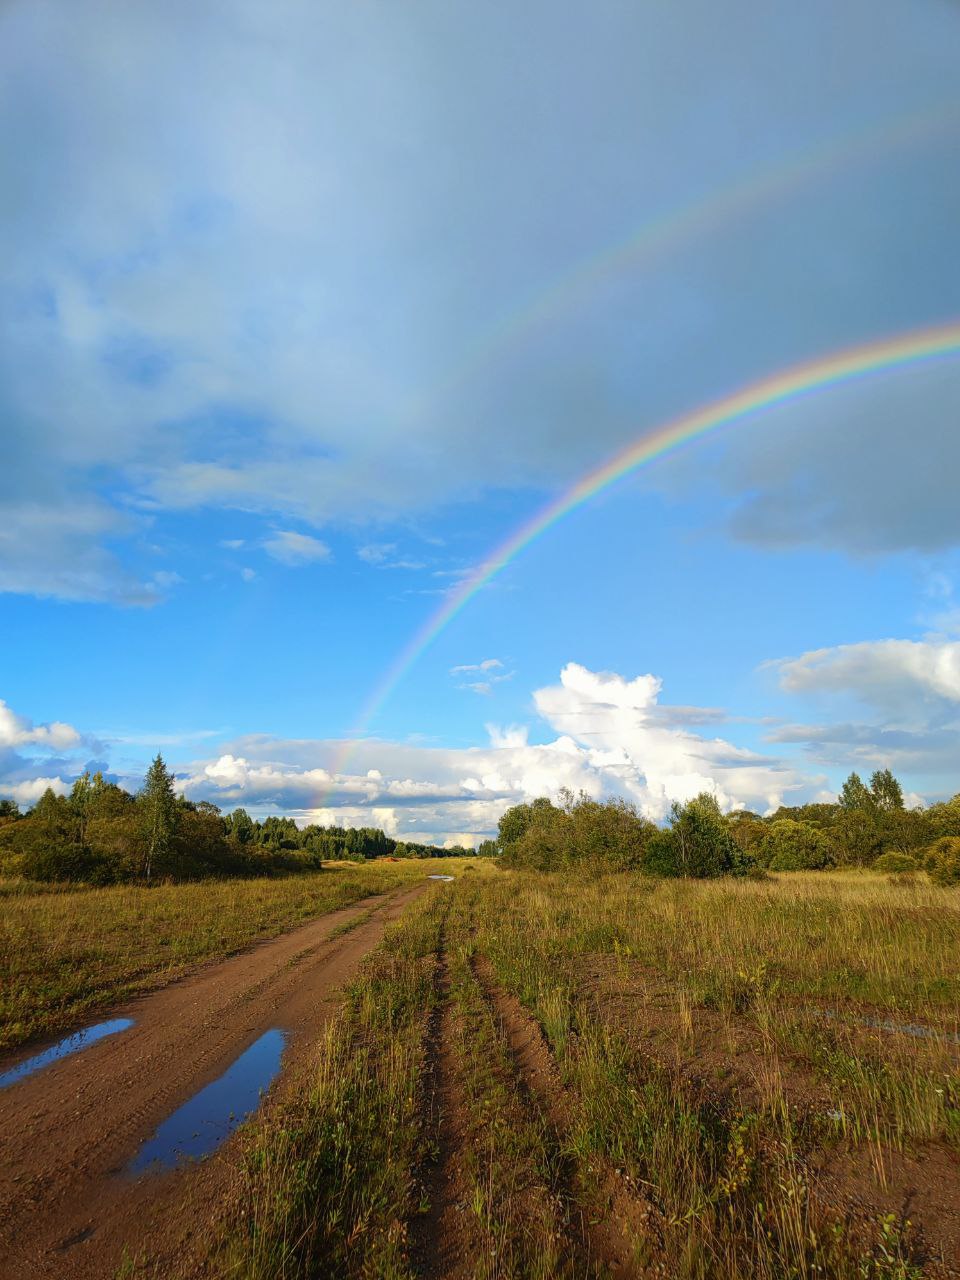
68 1205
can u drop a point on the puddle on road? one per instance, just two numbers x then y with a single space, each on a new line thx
903 1028
210 1116
63 1048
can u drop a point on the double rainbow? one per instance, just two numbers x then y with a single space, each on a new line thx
785 387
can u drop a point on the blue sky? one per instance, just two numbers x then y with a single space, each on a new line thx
304 310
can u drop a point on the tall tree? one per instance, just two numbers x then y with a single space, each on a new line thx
81 798
855 794
886 791
158 807
241 826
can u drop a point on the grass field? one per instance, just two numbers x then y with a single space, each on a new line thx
537 1076
66 953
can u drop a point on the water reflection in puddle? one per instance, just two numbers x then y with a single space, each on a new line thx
903 1028
211 1115
63 1048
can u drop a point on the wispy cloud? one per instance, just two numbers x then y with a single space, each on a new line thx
488 664
490 672
383 555
296 549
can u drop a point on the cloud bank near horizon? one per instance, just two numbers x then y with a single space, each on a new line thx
612 736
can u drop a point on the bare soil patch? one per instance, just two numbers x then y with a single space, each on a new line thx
67 1134
439 1241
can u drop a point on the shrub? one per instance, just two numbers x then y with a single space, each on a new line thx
943 860
66 862
896 862
698 843
592 835
795 846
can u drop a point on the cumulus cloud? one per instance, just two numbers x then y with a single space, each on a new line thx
295 549
29 791
892 675
609 738
655 761
17 731
36 756
911 688
931 752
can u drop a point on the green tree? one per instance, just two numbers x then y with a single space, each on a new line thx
515 823
81 796
857 837
158 810
747 829
606 836
943 860
855 794
795 846
241 827
944 818
698 842
886 792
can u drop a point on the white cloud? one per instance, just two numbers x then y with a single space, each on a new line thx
17 731
232 544
892 675
295 549
654 761
609 738
248 574
383 555
491 671
376 552
912 689
30 791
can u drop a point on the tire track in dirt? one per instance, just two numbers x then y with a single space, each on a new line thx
608 1224
438 1237
67 1208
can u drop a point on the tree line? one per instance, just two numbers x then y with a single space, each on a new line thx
869 826
102 834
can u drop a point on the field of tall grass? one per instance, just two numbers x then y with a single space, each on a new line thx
67 952
542 1076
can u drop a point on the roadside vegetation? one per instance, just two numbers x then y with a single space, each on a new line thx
868 826
540 1075
101 834
724 1047
66 953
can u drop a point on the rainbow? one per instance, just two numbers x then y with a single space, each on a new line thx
785 387
670 230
